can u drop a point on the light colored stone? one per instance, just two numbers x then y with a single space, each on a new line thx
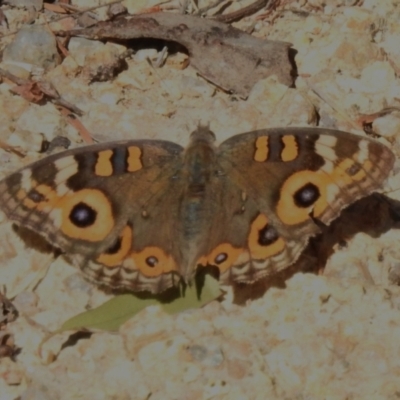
37 4
377 77
33 45
387 126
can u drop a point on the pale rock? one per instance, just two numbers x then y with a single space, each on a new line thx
377 77
134 6
79 48
356 20
37 4
33 44
145 54
26 141
298 111
195 87
266 95
42 120
98 7
387 126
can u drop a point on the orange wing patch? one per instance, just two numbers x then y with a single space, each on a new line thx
258 250
224 256
151 262
92 201
288 211
85 214
134 159
104 165
326 186
348 171
262 149
41 198
114 259
290 150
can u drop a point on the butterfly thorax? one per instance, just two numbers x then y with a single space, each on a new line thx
199 162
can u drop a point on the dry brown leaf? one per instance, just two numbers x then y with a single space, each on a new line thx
222 54
55 8
29 91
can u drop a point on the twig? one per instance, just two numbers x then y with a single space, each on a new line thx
76 123
68 7
203 10
13 78
243 12
72 15
364 119
45 88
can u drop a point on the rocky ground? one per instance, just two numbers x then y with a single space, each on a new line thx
330 336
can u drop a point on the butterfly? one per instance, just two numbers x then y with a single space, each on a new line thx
143 215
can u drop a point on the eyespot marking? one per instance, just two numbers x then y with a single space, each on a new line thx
152 262
267 235
82 215
35 196
220 258
289 212
114 256
40 197
312 191
264 241
224 256
85 214
306 196
349 171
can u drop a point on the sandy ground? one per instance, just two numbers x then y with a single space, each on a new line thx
334 336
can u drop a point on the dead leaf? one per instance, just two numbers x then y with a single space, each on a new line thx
36 91
222 54
61 47
29 91
55 8
112 314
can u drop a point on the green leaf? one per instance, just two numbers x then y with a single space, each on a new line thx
112 314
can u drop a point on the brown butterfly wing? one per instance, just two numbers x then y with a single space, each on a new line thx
93 204
280 180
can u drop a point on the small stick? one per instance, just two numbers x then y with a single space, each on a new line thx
243 12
